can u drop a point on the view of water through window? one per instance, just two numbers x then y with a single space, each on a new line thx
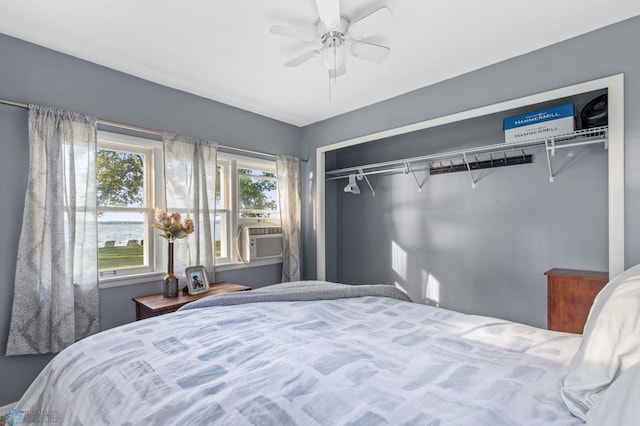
120 233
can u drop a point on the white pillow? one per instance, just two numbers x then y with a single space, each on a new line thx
610 343
618 405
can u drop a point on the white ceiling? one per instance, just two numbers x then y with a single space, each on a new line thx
222 50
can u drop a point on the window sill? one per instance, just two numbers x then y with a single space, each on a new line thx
130 280
157 276
241 265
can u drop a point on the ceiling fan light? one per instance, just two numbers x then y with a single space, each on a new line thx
334 57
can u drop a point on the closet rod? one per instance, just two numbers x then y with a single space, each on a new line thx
145 130
378 172
591 135
394 165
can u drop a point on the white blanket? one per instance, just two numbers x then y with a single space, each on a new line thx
357 361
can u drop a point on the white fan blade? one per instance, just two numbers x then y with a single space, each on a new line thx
373 23
370 52
298 60
329 12
292 32
341 70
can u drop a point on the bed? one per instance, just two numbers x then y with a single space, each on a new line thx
311 353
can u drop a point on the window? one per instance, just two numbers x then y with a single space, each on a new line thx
129 172
126 193
246 194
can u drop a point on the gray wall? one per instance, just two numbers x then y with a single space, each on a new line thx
601 53
33 74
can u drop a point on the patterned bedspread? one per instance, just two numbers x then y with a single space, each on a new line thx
358 361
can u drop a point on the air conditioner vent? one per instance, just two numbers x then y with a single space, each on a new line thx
270 230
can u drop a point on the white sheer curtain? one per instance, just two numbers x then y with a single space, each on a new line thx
288 168
56 298
190 179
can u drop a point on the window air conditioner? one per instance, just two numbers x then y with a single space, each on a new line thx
261 242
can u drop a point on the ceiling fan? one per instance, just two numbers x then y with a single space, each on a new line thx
338 36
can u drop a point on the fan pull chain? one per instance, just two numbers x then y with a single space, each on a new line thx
335 72
331 83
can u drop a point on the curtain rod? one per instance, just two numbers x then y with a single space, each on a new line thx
143 130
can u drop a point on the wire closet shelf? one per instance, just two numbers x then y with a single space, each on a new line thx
468 159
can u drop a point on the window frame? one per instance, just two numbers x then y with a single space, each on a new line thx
226 209
235 223
155 253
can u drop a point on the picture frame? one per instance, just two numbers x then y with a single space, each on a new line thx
197 279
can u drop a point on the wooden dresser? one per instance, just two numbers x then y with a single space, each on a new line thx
570 294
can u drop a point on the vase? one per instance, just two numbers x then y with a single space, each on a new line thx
170 281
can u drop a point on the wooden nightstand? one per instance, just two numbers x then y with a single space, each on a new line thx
570 294
156 304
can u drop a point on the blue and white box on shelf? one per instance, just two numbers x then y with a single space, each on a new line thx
539 124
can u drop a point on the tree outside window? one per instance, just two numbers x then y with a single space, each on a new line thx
258 195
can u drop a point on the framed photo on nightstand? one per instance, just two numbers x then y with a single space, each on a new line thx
197 279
